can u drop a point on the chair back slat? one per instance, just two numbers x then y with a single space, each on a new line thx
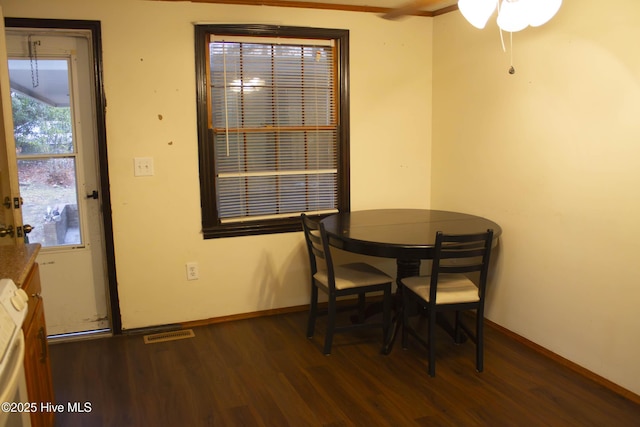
318 247
457 283
461 254
355 280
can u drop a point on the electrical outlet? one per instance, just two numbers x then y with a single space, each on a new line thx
192 271
143 166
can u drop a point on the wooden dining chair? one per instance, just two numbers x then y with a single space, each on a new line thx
342 280
448 288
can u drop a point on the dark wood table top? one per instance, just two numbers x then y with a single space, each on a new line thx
399 233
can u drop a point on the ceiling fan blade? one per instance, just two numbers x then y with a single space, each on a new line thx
409 8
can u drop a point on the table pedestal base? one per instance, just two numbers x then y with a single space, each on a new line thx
406 268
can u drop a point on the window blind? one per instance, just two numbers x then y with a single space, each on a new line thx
274 122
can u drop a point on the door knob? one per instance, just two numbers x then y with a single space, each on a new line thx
93 195
27 228
6 231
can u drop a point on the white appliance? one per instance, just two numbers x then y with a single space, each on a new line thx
14 410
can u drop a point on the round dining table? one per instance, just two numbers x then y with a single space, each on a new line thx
406 235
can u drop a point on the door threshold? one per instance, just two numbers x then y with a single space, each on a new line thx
79 336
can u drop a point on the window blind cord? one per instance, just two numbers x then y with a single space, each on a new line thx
238 71
276 122
226 98
317 176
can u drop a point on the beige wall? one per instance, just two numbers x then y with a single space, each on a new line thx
552 154
149 71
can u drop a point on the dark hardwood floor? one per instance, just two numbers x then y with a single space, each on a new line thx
264 372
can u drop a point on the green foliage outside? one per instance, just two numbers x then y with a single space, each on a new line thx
48 181
40 128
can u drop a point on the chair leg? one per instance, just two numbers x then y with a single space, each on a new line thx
331 324
405 319
386 318
432 343
361 307
457 336
479 342
313 310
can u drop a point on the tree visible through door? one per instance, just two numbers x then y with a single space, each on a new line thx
45 149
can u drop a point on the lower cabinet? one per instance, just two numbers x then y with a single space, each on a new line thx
37 365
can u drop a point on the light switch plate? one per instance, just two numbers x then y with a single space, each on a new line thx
192 271
143 166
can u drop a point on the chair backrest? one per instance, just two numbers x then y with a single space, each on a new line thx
461 253
318 247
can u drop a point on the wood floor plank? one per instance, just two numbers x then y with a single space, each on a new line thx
265 372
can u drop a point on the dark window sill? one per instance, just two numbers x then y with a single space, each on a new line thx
252 228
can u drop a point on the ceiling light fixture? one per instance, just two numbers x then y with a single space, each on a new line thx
513 15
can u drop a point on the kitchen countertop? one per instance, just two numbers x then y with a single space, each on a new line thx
16 261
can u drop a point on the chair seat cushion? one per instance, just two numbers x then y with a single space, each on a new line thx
452 288
354 275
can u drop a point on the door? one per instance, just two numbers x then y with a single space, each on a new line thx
10 218
54 115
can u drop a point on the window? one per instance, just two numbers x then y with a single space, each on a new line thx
273 126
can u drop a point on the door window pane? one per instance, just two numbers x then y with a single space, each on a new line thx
49 186
43 129
40 103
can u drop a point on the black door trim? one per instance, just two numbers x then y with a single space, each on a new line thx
101 104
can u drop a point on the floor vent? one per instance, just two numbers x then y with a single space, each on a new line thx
169 336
